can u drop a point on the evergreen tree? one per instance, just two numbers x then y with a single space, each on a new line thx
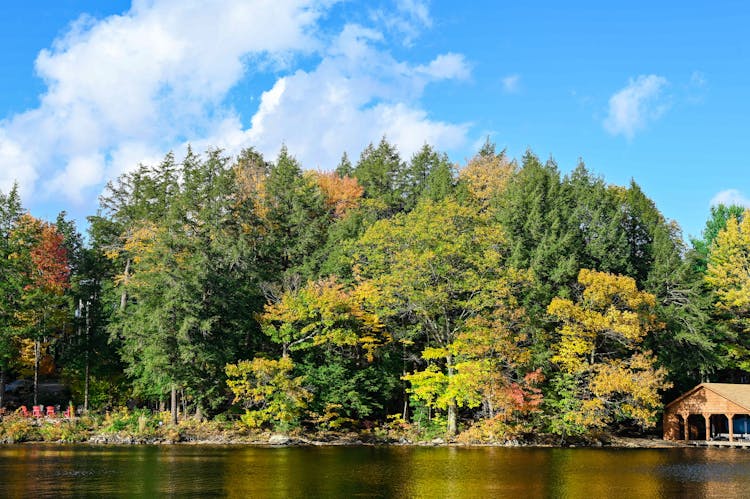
378 171
296 219
10 282
345 167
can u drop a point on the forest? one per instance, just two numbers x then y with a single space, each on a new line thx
496 298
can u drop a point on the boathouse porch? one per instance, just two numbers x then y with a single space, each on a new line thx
710 412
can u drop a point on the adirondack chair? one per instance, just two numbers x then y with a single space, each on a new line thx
24 411
51 411
37 411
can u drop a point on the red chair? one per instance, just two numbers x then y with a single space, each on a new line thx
51 411
24 411
37 411
69 412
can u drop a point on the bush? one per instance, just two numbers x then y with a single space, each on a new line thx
19 429
492 430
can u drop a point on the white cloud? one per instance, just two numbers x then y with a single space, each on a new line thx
416 10
408 19
635 106
445 67
128 88
360 93
151 77
729 197
511 83
15 166
81 172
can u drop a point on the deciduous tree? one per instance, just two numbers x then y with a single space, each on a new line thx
604 374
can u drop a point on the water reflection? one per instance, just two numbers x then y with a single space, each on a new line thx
206 471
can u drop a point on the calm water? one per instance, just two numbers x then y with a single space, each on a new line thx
200 471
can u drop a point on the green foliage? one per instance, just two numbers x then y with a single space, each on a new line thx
361 390
716 222
385 286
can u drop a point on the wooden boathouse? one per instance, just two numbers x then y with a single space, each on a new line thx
710 411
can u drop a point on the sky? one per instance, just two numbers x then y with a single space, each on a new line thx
651 91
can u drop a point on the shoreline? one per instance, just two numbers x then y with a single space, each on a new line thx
282 441
126 428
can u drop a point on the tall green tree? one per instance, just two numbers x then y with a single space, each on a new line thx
10 282
378 171
428 174
296 219
190 282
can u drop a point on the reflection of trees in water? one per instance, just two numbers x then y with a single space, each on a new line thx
234 471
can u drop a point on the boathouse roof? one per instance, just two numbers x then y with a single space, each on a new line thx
737 393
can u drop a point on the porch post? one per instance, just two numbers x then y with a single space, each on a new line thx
730 417
707 418
685 426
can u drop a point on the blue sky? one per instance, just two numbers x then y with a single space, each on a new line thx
654 91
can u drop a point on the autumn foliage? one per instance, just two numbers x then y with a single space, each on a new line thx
406 297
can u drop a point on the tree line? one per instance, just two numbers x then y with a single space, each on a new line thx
499 298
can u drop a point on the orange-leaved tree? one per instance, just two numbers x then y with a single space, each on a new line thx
42 312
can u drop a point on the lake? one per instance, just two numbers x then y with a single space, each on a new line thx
242 471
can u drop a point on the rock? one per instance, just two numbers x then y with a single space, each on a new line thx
438 441
279 440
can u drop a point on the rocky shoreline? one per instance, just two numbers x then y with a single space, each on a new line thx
124 427
280 440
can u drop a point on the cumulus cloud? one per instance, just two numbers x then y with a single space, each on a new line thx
360 94
151 77
511 84
16 166
635 106
128 88
729 197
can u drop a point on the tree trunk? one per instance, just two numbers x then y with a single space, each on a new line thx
37 347
86 375
124 295
198 413
183 401
2 387
452 409
86 387
173 406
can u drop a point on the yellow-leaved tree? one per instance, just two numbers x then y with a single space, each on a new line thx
728 275
269 392
438 279
605 375
322 317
